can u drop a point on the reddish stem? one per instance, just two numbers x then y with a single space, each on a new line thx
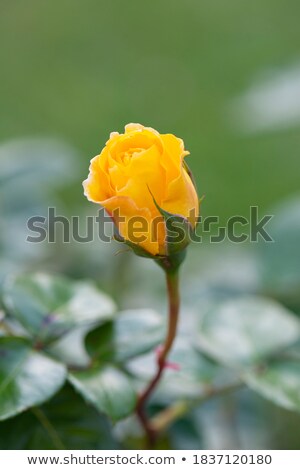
174 302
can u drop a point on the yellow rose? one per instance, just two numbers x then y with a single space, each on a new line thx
134 171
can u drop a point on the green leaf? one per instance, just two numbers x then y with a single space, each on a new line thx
133 332
108 389
65 422
278 382
186 434
32 173
70 349
27 378
50 306
280 261
3 326
244 331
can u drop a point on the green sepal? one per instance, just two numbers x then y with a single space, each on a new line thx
172 262
179 231
189 172
168 263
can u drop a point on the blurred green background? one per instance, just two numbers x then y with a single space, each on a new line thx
224 76
77 70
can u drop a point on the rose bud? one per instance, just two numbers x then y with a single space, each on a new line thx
141 179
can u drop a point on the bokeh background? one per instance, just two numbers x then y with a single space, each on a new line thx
224 76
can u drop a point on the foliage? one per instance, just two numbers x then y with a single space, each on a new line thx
247 341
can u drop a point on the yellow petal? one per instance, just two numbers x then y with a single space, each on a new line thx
182 198
133 126
174 153
97 186
145 179
136 225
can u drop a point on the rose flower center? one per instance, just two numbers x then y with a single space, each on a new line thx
125 157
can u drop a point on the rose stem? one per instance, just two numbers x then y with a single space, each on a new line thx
174 302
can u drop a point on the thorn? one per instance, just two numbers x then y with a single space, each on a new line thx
120 252
167 364
172 365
